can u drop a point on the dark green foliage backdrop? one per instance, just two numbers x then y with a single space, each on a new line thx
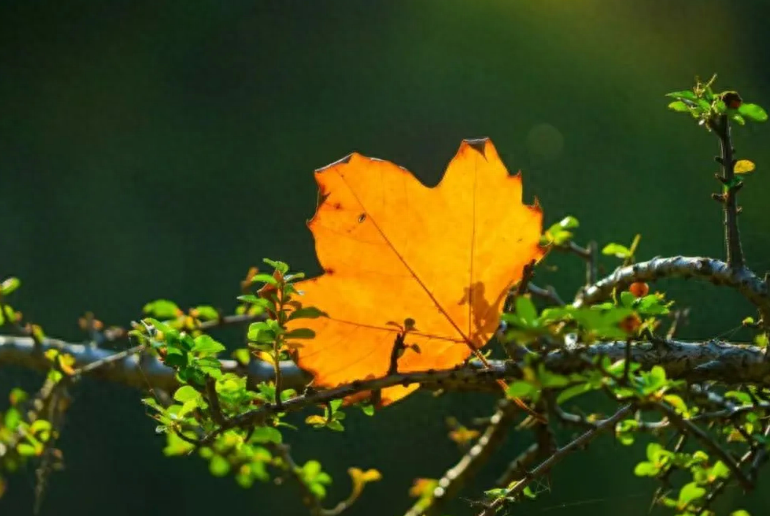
159 149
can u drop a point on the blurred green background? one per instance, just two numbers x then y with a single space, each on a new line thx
159 149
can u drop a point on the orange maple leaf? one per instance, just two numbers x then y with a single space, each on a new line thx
396 252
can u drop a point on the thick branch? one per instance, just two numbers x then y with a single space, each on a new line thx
695 361
134 370
715 271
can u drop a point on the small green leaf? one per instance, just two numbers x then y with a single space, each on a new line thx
205 345
719 470
526 310
568 222
627 299
185 393
12 419
281 267
40 425
520 389
686 94
264 278
26 450
266 434
162 309
679 107
336 426
753 112
242 355
175 445
571 392
646 469
617 250
690 492
738 118
206 313
677 402
9 285
219 466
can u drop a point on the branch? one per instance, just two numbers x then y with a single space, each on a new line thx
721 127
468 466
126 367
717 272
557 456
712 360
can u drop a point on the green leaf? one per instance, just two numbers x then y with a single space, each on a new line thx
254 300
265 278
520 389
12 419
740 512
335 405
175 358
175 445
571 392
9 285
281 267
720 470
207 313
658 375
686 94
646 469
26 450
653 451
40 425
738 118
205 345
549 380
185 393
219 466
677 402
526 310
242 355
679 107
652 305
627 299
162 309
689 493
336 426
753 112
617 250
568 222
266 434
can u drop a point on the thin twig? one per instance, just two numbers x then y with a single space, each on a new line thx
545 466
710 444
456 477
721 127
548 294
